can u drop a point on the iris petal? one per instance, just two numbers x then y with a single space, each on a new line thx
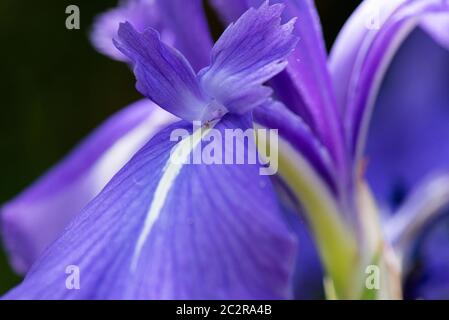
369 54
354 40
32 220
409 136
305 87
360 31
163 74
141 13
201 241
427 277
419 232
182 24
250 52
186 21
274 115
308 277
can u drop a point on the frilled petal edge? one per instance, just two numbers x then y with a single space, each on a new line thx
250 52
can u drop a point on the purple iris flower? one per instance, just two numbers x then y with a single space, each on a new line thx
159 230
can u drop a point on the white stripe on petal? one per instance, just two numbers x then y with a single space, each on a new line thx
171 171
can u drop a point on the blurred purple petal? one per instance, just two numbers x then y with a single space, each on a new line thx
31 221
182 24
161 230
186 20
409 133
308 277
231 10
353 42
141 13
424 205
428 276
419 232
249 52
436 25
361 30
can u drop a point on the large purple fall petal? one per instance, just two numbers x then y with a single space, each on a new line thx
163 230
409 133
31 221
249 52
181 23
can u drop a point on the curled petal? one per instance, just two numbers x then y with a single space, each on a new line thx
359 33
308 277
34 219
436 25
408 137
354 41
362 54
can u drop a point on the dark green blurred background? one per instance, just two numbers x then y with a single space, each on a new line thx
55 88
